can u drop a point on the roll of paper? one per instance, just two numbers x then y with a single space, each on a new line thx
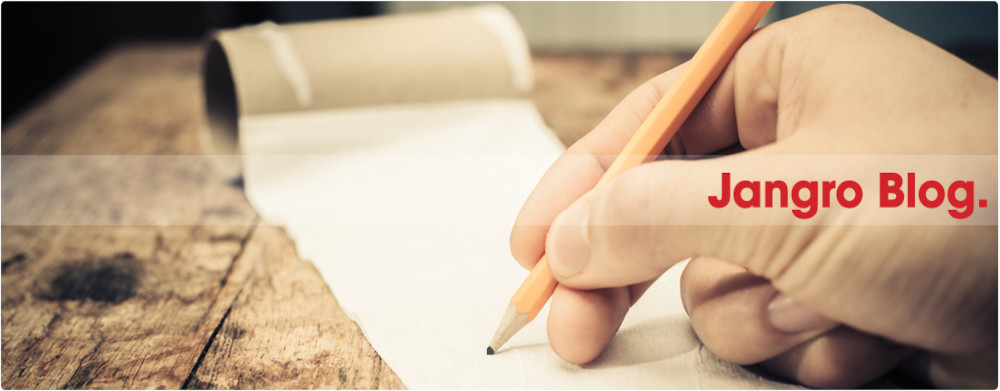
457 54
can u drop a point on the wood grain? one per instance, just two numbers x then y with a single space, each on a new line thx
132 100
124 306
575 91
114 307
115 285
288 303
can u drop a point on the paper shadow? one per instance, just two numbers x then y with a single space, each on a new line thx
649 341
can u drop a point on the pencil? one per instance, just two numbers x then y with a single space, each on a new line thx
648 141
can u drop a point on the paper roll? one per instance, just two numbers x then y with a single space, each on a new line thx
457 54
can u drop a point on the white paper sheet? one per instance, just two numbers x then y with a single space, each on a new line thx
406 211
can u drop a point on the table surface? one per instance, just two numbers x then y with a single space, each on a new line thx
227 302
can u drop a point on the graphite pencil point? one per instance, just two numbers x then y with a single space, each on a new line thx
489 350
512 322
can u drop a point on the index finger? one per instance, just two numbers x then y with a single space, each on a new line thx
710 127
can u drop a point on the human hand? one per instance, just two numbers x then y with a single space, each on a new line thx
828 305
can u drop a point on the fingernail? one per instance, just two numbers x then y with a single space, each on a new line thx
567 245
789 316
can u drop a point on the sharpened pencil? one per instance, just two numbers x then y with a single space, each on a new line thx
648 141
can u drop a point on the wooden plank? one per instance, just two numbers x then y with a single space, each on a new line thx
134 100
118 305
126 306
287 331
113 307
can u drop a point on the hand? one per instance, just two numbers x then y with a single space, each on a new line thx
826 305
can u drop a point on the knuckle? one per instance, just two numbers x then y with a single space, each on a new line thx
850 10
821 25
833 15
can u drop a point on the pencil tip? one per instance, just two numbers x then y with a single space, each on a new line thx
512 322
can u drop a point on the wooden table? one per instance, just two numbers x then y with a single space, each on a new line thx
222 302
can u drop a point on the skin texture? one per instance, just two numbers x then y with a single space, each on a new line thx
826 305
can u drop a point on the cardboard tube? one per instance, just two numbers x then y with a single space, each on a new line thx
457 54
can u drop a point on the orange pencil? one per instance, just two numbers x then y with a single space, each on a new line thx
647 142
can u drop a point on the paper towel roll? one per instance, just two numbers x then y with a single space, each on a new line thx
457 54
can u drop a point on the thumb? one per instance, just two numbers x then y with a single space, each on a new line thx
639 225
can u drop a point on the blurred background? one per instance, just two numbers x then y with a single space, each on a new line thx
43 43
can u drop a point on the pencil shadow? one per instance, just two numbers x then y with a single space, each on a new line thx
649 341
